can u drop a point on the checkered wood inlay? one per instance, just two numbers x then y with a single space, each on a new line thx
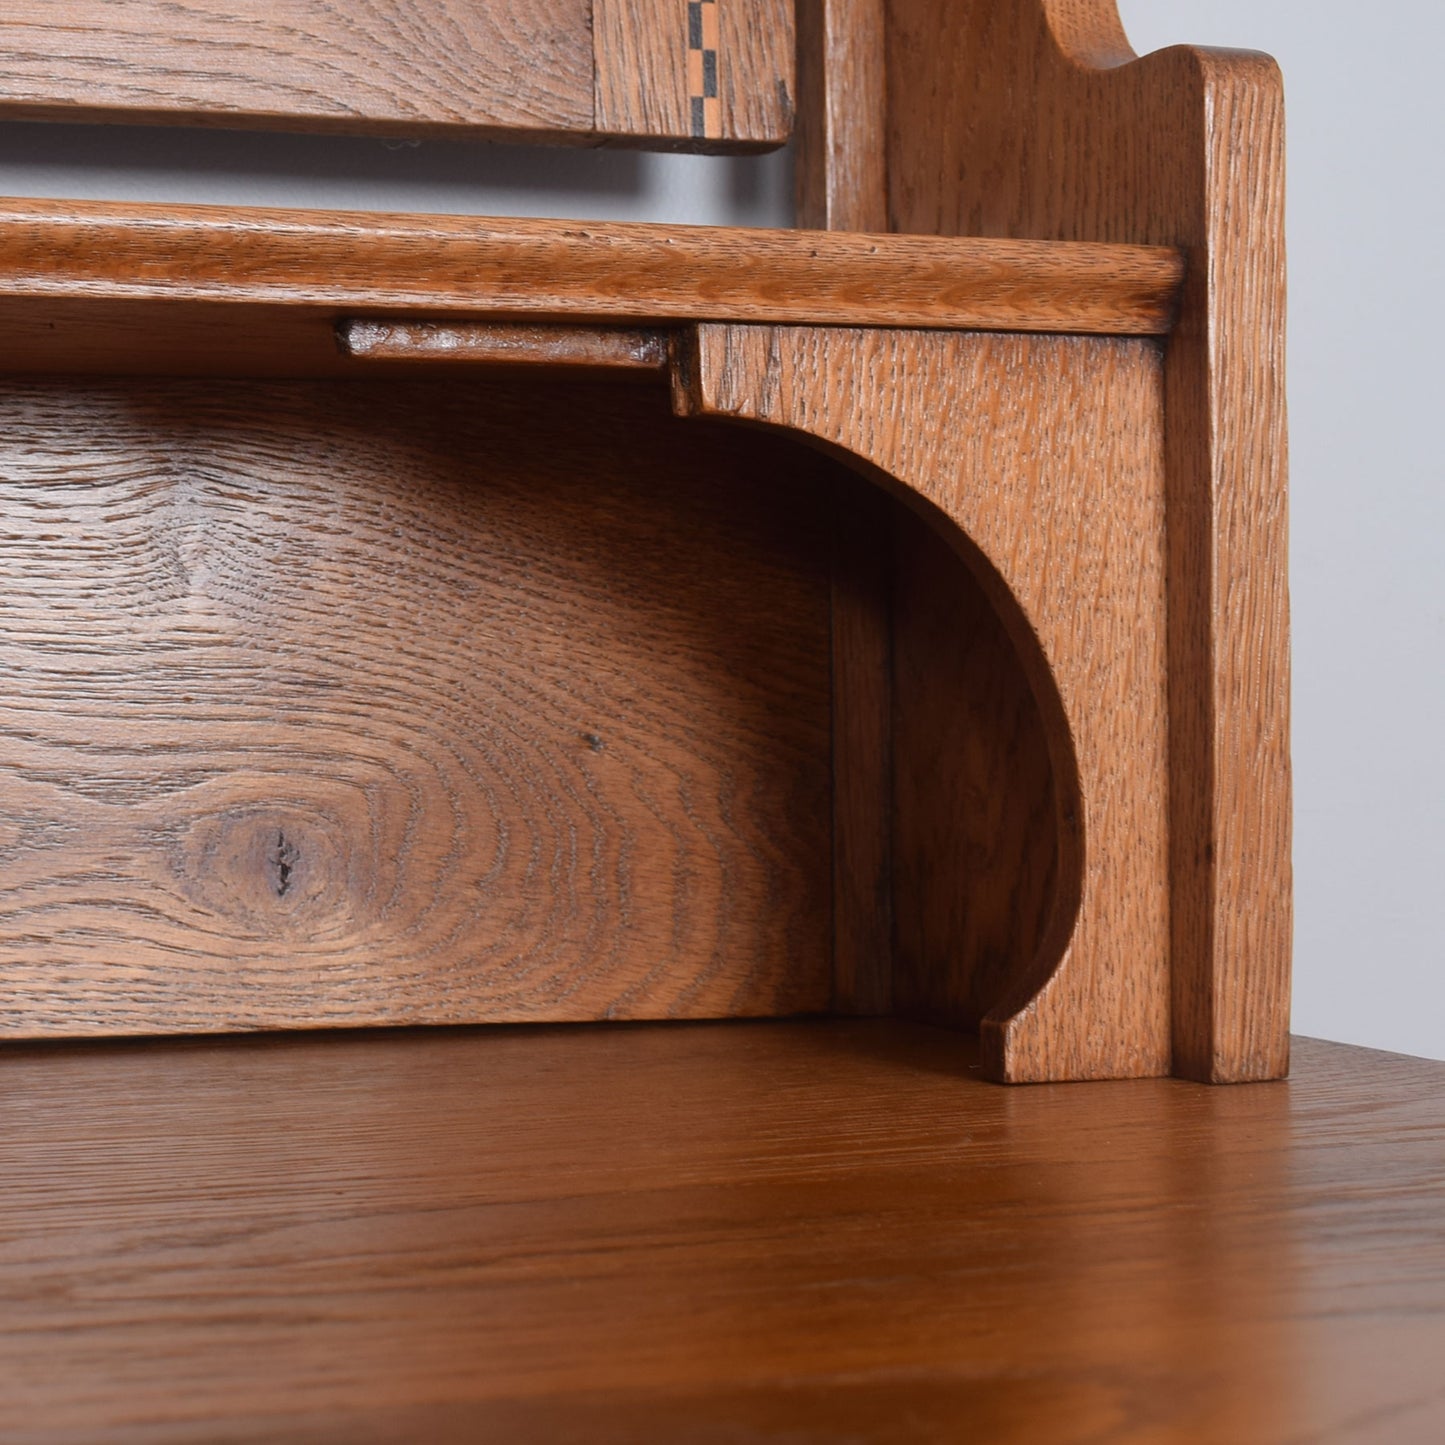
702 80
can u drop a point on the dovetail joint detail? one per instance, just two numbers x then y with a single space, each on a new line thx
702 79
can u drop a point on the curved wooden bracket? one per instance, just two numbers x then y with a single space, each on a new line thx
1042 459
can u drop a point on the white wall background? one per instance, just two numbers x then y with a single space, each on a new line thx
1367 327
233 168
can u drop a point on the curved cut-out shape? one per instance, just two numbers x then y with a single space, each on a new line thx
1047 454
1088 32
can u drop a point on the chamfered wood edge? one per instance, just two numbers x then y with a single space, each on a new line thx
441 266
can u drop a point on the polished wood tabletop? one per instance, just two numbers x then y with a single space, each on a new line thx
782 1232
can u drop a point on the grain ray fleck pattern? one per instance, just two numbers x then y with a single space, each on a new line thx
333 703
429 65
1046 455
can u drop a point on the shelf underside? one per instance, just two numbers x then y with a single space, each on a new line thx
810 1231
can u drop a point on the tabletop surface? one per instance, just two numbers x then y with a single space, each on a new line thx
782 1232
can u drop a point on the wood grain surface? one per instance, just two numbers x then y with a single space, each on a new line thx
863 804
974 815
645 80
640 71
805 1232
372 65
840 167
757 65
1031 118
332 703
637 271
1076 573
575 71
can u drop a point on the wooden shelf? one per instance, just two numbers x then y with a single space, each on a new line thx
563 71
734 1231
137 287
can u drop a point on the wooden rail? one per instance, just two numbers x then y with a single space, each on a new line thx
563 269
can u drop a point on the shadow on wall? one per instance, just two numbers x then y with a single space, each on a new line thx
135 163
